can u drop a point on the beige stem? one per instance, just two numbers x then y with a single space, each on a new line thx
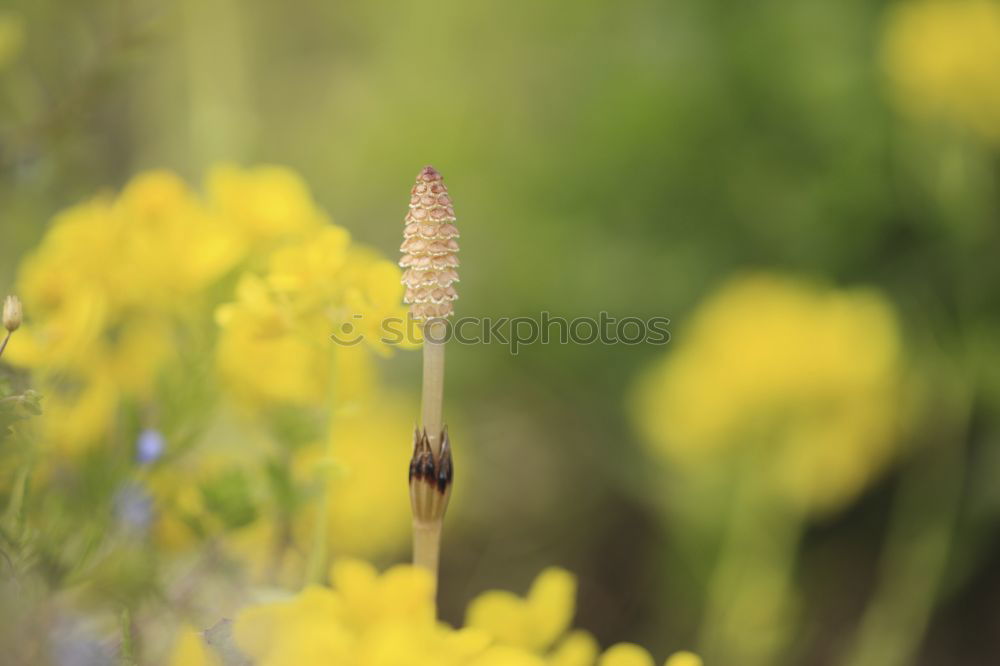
433 390
427 545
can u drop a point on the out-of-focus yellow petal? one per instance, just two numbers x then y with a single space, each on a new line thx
74 418
625 654
683 658
382 285
369 444
505 655
943 59
579 648
467 642
502 614
190 650
263 203
551 604
142 347
806 378
353 578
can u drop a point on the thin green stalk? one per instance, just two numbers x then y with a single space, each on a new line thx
128 645
914 561
750 604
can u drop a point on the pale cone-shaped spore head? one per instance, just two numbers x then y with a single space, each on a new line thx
429 248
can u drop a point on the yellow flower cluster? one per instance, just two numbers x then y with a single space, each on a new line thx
943 58
800 382
119 285
103 293
275 343
356 468
359 465
367 619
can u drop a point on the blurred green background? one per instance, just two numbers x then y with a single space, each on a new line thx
628 157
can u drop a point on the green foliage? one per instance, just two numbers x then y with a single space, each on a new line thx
227 496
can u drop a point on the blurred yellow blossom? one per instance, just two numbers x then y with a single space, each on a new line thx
381 620
170 248
359 466
684 658
263 204
79 409
803 380
208 491
118 283
275 344
628 654
534 622
943 58
268 354
190 650
222 492
106 288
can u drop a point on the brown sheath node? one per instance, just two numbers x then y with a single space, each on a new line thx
430 477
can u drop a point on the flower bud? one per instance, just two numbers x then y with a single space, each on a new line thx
11 313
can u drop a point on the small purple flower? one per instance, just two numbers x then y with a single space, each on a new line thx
149 446
133 508
74 642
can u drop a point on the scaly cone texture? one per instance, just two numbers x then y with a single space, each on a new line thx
429 248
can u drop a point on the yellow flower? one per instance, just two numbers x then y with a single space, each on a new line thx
369 619
141 348
106 289
209 491
363 614
534 622
311 268
801 380
276 342
152 247
190 650
263 204
78 411
266 353
943 59
119 283
627 654
170 247
684 658
64 289
360 464
578 648
220 491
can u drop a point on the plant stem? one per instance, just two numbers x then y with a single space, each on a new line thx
3 345
748 614
432 397
920 542
128 640
427 545
427 533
